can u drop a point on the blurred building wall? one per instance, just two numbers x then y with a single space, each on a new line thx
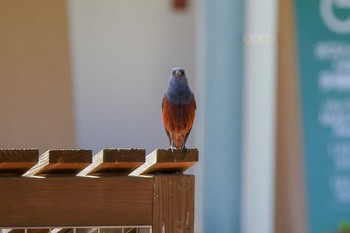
35 81
122 55
290 196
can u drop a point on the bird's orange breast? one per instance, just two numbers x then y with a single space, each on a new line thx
178 119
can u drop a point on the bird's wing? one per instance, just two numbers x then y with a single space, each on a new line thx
165 117
194 102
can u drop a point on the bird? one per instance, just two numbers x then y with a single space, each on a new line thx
178 109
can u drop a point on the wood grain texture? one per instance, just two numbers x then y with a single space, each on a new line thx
68 201
61 162
173 207
62 230
15 162
112 162
167 161
24 230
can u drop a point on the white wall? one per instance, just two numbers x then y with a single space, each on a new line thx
122 54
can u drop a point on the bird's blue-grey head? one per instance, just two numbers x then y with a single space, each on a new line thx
178 91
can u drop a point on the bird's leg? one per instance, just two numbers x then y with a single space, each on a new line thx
172 143
183 148
184 151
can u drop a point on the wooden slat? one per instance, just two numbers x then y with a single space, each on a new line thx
110 162
24 231
167 161
71 201
173 206
61 163
62 230
15 162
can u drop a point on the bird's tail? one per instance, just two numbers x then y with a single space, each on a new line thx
179 141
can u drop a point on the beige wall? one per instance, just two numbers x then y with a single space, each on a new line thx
290 203
35 83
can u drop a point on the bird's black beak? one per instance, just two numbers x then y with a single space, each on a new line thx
177 73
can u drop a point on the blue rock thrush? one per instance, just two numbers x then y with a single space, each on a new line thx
178 109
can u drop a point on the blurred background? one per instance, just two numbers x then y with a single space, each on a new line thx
91 74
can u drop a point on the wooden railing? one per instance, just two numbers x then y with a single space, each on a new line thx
116 187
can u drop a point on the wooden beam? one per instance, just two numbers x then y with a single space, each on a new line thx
173 207
15 162
167 161
61 162
73 201
121 229
111 162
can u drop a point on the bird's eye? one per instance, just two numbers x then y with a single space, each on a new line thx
182 72
174 71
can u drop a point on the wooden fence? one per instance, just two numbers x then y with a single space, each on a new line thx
116 187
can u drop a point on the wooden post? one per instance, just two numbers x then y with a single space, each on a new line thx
173 204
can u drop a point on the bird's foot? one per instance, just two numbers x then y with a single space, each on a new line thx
184 151
172 148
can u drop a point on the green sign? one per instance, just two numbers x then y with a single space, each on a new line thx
323 39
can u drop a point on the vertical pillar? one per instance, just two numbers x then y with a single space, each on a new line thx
173 204
222 110
259 117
